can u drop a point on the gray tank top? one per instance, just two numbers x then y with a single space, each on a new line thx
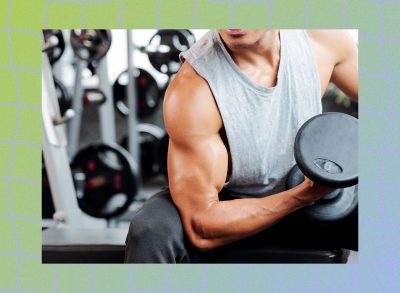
260 123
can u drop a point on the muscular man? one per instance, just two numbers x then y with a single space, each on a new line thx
232 113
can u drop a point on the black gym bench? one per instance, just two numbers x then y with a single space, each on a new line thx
108 246
83 245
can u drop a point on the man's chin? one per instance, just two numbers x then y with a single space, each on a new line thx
239 46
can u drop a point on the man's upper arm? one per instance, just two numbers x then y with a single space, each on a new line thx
345 72
338 59
197 157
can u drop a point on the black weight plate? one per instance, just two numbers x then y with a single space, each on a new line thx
332 207
164 48
90 45
148 97
56 44
326 149
109 177
294 178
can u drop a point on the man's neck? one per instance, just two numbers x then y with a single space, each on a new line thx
266 50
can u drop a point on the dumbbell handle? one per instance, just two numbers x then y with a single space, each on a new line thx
332 194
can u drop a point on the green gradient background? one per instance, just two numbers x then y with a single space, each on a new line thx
20 176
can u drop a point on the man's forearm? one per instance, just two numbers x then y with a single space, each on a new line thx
228 221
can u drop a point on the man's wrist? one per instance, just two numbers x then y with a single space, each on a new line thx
301 195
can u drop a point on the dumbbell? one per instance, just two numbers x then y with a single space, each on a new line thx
325 151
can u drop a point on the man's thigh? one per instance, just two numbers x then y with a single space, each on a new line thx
156 233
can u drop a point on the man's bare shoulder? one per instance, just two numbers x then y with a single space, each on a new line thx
338 42
189 105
